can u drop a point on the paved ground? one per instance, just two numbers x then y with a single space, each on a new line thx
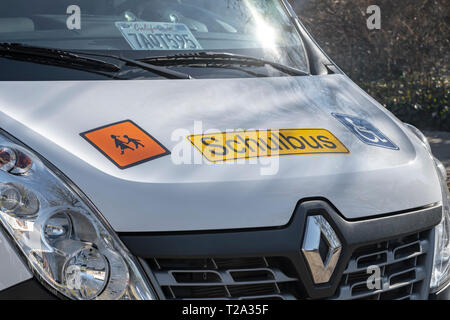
440 143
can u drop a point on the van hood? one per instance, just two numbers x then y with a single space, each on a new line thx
164 195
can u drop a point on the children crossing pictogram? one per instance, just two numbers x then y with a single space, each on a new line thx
136 142
120 144
125 144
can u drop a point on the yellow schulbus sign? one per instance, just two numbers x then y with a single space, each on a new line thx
235 145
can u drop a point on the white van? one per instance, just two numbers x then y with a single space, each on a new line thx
203 149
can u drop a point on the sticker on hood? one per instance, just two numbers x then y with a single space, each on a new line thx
142 35
365 131
125 144
235 145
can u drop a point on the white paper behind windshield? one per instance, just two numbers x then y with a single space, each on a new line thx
143 35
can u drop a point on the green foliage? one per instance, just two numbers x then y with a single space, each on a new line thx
423 102
404 65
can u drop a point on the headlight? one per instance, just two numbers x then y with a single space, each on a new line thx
67 244
441 266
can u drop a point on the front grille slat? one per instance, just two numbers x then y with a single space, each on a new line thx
220 278
402 271
206 284
366 295
269 297
390 255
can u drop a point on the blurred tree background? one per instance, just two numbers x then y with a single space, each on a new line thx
404 65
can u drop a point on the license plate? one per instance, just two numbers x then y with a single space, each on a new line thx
142 35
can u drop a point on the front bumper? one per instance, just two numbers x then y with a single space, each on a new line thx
226 264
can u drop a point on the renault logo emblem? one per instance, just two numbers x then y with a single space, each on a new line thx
321 248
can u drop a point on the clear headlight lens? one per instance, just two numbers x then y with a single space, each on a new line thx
66 242
441 268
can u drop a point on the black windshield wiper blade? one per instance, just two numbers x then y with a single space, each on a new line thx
208 58
77 59
54 57
165 72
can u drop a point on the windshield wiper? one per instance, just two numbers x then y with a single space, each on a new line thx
165 72
77 60
207 59
56 57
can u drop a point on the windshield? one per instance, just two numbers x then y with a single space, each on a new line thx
142 29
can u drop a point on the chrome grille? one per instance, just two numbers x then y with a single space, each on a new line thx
226 278
402 269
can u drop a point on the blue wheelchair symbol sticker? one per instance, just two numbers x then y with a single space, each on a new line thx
365 131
